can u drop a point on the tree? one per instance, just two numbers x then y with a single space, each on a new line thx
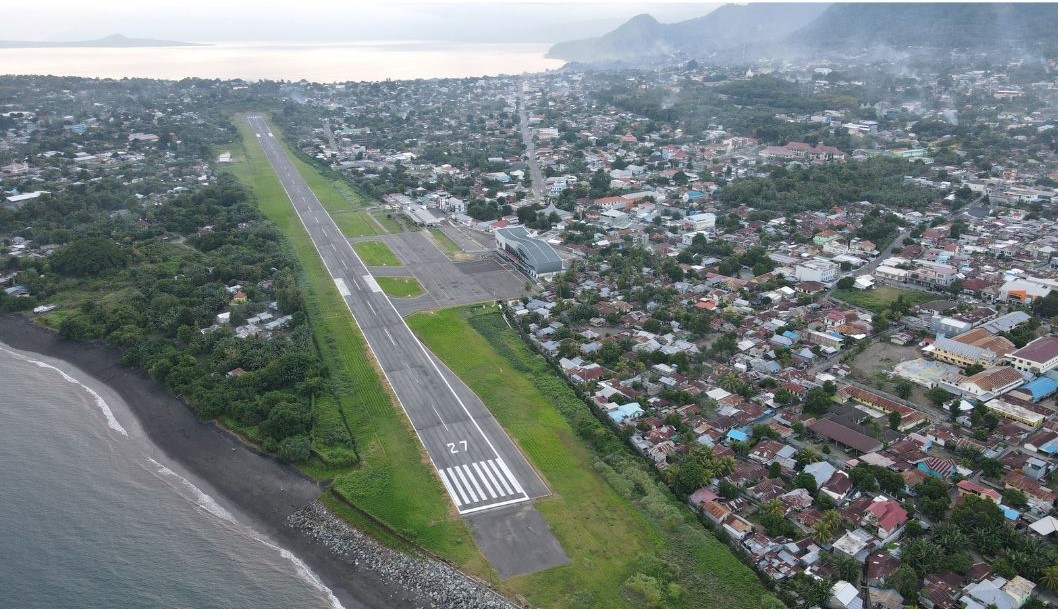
89 256
933 497
905 581
1014 498
903 388
894 420
938 396
846 283
1049 579
824 530
774 469
922 555
817 402
806 481
973 369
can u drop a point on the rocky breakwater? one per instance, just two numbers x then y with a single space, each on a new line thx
430 583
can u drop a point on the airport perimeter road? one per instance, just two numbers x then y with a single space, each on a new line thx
477 462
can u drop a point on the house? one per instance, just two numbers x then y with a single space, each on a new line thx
880 565
886 515
832 430
1037 357
991 382
969 487
998 592
837 487
855 544
844 595
938 467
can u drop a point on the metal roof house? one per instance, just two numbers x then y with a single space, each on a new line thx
532 256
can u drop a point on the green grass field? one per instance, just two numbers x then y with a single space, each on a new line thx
376 253
445 242
603 532
878 299
355 223
394 481
400 287
388 220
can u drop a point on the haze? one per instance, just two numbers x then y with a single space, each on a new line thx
329 20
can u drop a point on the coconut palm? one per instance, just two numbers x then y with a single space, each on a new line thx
1049 579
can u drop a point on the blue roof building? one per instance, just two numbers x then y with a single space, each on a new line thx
1041 388
737 435
625 412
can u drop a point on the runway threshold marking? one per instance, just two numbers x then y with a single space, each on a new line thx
481 481
370 281
342 288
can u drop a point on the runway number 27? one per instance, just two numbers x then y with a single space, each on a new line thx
453 447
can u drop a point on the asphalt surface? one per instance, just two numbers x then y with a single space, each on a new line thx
477 463
447 283
536 177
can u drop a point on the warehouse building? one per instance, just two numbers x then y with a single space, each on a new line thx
532 256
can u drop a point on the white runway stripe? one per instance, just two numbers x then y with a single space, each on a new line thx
492 478
510 476
461 499
466 484
499 475
473 481
484 480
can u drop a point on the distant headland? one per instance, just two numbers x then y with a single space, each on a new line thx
113 41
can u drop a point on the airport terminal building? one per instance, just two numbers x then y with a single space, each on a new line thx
532 256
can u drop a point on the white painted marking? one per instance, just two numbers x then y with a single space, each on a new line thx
371 283
490 477
473 481
490 506
448 487
514 482
368 303
466 484
389 336
462 497
345 265
317 219
503 480
342 288
270 134
481 476
258 134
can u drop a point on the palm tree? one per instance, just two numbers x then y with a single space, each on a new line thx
1050 577
827 526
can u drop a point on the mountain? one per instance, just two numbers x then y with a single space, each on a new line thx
113 41
727 27
980 27
745 32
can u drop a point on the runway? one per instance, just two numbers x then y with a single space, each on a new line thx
477 463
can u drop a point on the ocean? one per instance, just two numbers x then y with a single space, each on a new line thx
318 62
92 515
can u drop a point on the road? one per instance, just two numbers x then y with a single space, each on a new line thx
535 175
478 464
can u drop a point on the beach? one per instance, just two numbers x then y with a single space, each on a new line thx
271 497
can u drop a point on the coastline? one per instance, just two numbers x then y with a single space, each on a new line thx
264 491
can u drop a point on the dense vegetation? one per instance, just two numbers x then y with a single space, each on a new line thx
149 282
878 180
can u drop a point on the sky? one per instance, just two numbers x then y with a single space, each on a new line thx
543 21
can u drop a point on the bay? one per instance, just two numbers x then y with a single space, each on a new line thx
313 61
93 516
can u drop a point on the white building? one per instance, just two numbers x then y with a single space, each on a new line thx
823 271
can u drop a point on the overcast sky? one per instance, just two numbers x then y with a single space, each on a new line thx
329 20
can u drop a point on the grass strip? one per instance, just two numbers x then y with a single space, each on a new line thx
376 253
400 287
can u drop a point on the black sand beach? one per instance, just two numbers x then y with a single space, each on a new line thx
259 487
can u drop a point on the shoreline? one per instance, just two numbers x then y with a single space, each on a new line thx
264 491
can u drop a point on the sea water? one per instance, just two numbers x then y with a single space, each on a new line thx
91 515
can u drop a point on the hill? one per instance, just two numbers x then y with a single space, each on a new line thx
112 41
727 27
947 27
745 32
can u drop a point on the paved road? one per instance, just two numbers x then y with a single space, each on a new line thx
535 174
477 463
